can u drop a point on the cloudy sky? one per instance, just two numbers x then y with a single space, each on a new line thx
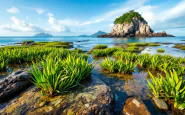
76 17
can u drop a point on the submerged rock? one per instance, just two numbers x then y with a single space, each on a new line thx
160 104
94 98
14 83
135 106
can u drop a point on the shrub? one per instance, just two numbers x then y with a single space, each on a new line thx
60 75
120 66
170 86
104 52
100 46
127 17
160 50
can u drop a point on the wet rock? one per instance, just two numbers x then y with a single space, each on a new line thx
135 106
94 98
14 83
160 104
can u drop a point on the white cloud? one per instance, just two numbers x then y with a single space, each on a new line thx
21 26
50 14
56 25
13 10
164 19
40 10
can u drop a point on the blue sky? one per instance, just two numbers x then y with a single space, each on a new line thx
76 17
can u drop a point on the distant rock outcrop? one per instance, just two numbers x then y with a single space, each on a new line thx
97 34
94 35
43 35
132 24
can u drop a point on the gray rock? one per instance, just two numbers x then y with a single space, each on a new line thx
14 83
160 104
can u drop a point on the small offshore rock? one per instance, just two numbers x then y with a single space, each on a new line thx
160 104
135 106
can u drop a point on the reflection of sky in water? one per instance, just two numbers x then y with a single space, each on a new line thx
168 50
86 43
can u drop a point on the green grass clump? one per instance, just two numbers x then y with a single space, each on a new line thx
138 44
60 75
125 55
56 44
180 46
27 42
143 44
104 52
127 17
100 46
132 49
119 66
3 64
169 87
153 44
160 50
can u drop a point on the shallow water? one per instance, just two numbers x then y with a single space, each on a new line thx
124 85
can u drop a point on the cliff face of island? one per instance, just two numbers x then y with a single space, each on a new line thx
132 24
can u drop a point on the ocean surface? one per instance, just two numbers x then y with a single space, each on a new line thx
86 43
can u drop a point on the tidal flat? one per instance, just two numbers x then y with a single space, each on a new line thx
61 69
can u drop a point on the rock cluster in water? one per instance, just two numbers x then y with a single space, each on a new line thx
136 27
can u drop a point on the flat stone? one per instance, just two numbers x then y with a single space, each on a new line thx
135 106
160 104
94 98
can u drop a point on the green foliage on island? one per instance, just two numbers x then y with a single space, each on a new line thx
127 17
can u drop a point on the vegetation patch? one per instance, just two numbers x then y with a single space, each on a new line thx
119 66
170 87
59 75
56 44
153 62
104 52
143 44
127 17
27 42
180 46
160 50
132 49
100 46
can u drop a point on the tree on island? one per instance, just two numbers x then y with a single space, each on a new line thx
127 17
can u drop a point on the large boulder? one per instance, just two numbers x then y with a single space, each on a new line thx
14 83
133 24
94 98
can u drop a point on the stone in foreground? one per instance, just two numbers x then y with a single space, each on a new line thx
94 98
14 83
135 106
160 104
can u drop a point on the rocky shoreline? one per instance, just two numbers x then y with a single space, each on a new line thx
93 98
159 34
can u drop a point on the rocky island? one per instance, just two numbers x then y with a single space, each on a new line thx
43 35
132 24
94 35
